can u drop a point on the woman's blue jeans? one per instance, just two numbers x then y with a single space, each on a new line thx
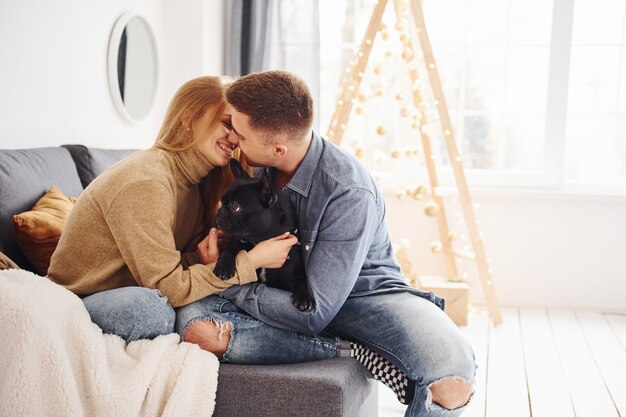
131 313
411 332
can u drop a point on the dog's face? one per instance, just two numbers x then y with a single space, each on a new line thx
252 209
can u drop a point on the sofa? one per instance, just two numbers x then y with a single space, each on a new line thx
334 387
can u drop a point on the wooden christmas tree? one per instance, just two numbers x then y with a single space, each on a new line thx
415 43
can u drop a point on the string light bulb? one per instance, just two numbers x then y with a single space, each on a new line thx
418 192
380 159
436 246
431 209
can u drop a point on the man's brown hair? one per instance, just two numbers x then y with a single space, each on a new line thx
278 103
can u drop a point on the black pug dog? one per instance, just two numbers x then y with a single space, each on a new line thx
253 210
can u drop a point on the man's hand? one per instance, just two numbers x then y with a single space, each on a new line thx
209 248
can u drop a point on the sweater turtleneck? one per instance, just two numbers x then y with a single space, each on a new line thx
193 164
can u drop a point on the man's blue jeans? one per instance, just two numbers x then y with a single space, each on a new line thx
411 332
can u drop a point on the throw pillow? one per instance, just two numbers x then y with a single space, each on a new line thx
38 231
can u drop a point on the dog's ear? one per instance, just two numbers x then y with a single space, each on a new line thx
270 196
237 169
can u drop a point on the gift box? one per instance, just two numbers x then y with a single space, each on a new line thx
456 294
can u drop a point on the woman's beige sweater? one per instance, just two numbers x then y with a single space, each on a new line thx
139 223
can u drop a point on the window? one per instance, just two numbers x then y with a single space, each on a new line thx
534 88
595 135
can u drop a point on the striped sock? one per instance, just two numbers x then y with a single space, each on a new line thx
384 371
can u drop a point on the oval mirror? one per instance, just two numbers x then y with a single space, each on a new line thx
132 66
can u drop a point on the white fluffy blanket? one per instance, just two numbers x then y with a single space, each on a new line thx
55 362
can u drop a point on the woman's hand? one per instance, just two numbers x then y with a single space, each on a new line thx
209 249
272 253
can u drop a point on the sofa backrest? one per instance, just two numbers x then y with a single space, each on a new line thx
25 176
91 162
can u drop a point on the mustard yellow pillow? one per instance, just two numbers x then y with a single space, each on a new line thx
38 231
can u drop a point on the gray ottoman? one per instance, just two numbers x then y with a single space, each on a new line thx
328 388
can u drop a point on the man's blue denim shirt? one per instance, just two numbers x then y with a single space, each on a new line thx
346 247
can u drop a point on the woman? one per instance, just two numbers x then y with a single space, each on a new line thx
137 238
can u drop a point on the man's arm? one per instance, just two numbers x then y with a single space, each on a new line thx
344 237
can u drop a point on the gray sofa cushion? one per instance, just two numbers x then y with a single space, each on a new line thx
91 162
25 176
329 388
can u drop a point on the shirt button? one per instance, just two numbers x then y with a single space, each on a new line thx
306 247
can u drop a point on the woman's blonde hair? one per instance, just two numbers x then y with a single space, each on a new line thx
189 104
192 100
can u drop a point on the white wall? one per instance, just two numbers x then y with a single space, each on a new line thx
192 42
549 249
54 86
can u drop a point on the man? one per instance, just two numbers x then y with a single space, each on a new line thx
359 291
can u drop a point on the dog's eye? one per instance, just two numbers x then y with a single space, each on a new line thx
235 207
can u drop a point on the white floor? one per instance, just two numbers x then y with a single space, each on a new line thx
543 363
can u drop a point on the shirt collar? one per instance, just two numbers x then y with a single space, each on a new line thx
303 178
193 164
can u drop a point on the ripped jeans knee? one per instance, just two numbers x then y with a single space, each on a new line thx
236 337
450 393
208 333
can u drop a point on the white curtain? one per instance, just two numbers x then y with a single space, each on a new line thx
248 24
